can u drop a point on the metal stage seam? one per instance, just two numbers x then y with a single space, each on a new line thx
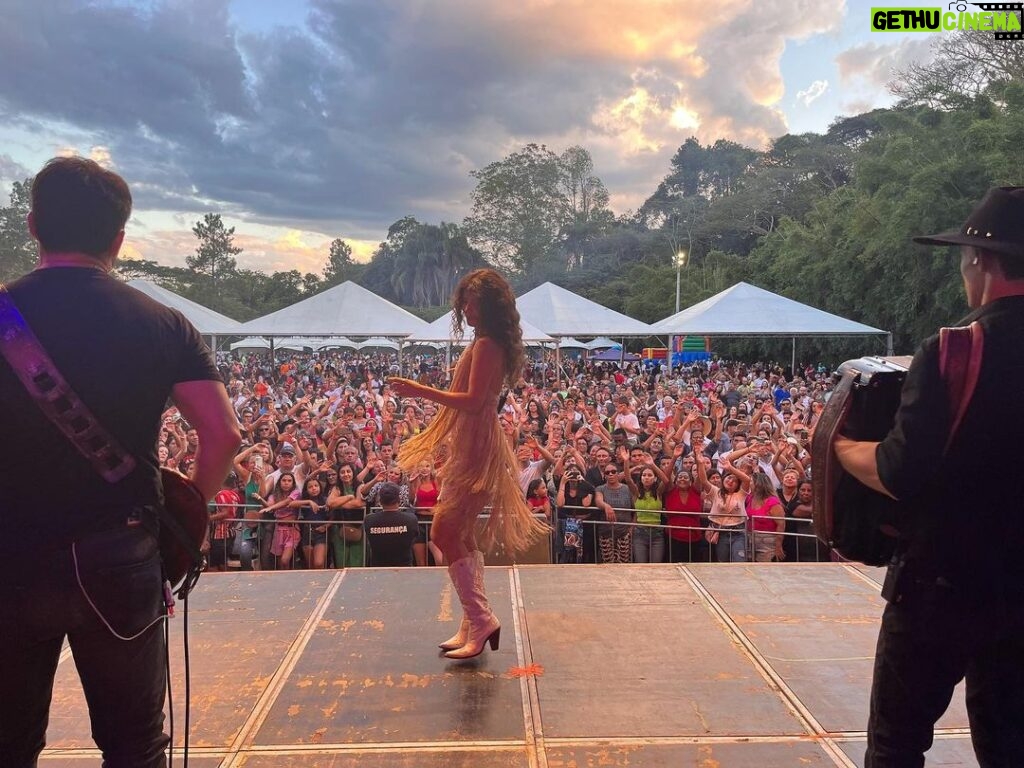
863 576
948 734
650 741
388 747
535 750
263 704
809 721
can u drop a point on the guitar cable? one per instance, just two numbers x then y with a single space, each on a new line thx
191 578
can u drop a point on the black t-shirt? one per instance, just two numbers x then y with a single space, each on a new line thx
391 536
122 352
575 493
594 476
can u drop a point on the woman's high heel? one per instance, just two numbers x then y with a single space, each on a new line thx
475 644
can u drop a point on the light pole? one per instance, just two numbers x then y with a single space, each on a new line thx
680 260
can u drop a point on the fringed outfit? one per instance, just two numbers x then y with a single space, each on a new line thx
481 468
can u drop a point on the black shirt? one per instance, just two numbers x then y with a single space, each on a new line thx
391 536
962 508
122 352
575 493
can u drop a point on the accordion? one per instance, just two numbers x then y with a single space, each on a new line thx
857 522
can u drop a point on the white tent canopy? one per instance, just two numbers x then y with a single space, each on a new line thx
295 343
378 342
347 308
603 343
334 342
204 319
440 330
746 310
251 342
568 342
559 312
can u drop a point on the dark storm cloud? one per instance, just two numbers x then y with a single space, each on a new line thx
367 110
365 114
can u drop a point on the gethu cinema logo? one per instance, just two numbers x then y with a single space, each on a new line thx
996 17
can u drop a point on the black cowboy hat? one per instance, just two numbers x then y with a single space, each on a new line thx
996 224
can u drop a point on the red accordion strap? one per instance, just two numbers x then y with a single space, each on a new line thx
960 352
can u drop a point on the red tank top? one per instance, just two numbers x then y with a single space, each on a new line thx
426 496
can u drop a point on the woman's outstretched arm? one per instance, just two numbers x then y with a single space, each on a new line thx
488 361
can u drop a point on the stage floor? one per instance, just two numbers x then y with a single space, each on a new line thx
736 666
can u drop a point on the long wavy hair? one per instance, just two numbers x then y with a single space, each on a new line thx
499 318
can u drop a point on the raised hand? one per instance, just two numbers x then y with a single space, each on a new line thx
403 387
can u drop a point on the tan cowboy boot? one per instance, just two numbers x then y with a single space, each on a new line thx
459 638
467 575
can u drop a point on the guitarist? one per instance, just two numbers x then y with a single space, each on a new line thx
955 588
79 558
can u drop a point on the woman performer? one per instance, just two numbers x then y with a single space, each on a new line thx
482 468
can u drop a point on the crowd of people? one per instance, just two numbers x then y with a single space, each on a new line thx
706 461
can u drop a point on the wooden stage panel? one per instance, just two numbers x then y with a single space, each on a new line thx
240 626
946 751
664 667
372 670
646 666
411 759
805 754
816 625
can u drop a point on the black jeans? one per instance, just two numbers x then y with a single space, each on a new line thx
929 642
688 552
124 681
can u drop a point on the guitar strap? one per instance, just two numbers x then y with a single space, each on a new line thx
64 408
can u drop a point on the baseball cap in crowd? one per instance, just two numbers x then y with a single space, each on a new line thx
388 493
287 448
996 224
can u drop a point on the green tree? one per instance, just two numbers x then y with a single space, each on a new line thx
921 171
429 261
697 206
171 278
312 284
518 207
17 248
962 67
586 204
214 259
340 266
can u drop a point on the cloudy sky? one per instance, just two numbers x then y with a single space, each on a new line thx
305 120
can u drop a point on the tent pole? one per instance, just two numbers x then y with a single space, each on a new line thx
272 356
888 344
401 371
213 343
558 363
792 370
